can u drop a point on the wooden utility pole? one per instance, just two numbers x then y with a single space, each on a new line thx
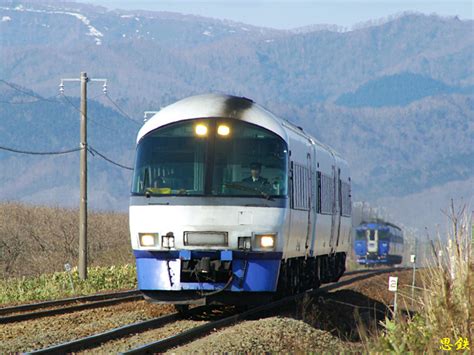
84 79
83 182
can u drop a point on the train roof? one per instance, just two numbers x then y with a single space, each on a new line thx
214 105
225 106
377 225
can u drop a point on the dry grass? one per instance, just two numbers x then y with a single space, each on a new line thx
36 240
444 304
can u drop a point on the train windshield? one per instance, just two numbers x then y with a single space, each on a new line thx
371 234
384 235
211 157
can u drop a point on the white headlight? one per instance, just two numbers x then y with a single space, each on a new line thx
200 129
266 241
223 130
147 240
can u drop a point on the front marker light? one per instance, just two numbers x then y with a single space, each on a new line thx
167 241
147 239
245 243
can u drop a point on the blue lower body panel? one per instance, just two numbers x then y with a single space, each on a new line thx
385 259
251 271
365 261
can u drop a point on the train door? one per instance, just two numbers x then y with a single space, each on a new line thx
310 196
372 240
333 237
300 212
335 217
338 187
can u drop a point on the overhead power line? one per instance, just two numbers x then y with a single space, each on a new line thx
90 149
20 102
28 152
93 120
94 151
121 110
37 97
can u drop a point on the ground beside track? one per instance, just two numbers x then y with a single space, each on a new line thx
43 332
323 324
317 323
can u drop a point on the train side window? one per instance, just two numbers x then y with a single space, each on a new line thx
340 201
292 185
327 193
318 182
301 190
345 191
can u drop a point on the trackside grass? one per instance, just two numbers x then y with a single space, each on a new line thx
59 285
443 318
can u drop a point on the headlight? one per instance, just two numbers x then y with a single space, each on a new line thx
167 241
266 241
223 130
147 239
200 129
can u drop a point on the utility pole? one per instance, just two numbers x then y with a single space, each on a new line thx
84 79
83 182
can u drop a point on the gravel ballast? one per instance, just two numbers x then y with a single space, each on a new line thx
149 336
273 334
44 332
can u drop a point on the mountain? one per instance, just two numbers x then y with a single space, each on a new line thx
398 90
37 124
395 98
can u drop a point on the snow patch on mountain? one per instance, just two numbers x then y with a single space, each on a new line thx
93 32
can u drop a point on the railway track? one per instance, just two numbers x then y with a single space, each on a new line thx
200 330
66 305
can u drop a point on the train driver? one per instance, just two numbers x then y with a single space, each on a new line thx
255 180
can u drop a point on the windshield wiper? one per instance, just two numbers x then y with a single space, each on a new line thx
248 188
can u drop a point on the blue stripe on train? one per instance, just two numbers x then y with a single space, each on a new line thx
215 254
253 271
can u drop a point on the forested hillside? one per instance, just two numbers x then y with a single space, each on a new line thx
396 98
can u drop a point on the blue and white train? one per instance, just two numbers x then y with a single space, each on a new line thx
378 243
231 204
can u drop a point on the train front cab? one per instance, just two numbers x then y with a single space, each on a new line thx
200 229
188 182
378 245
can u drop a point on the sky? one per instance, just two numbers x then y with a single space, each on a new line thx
285 14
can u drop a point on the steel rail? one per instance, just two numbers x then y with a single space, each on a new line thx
188 335
63 310
165 344
63 301
96 339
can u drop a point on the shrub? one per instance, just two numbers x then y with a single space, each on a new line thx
444 301
59 285
36 239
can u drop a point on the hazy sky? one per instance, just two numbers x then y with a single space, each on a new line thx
290 14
